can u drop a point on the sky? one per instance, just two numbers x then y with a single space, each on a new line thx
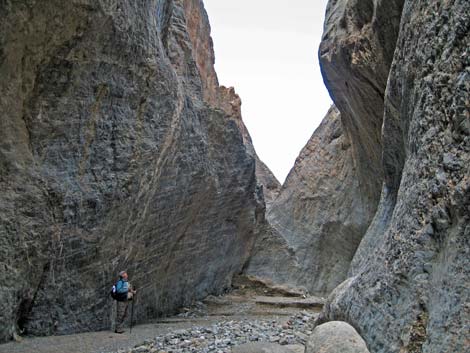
267 50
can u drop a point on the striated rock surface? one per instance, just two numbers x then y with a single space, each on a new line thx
229 101
409 286
115 155
355 55
331 195
222 97
319 217
335 337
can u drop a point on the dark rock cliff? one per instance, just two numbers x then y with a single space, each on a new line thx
331 195
408 290
114 154
355 55
398 72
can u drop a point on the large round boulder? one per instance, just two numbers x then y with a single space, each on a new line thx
336 337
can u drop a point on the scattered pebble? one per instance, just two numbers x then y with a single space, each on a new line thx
220 337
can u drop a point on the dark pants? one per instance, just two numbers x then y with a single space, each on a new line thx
121 314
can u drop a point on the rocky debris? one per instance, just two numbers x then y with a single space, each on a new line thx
319 217
335 337
268 348
198 309
246 284
307 303
258 305
225 335
408 290
112 156
245 299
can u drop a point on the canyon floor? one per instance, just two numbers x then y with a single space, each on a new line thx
251 318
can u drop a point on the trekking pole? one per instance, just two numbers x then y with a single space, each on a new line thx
132 311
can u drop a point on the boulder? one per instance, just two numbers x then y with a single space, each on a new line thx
335 337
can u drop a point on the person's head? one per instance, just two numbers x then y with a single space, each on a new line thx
123 275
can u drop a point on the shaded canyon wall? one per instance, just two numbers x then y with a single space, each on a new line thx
115 153
408 290
331 195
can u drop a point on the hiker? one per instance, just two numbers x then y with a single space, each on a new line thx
123 293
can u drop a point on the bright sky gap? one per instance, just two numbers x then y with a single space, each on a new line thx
267 50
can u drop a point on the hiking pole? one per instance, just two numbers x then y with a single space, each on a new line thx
132 311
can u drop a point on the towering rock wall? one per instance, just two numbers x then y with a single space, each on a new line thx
318 219
114 155
408 290
331 195
355 57
222 97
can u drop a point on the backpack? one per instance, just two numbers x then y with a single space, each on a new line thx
117 296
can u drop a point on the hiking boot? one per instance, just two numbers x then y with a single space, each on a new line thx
119 331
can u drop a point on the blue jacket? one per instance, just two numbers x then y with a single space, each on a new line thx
122 286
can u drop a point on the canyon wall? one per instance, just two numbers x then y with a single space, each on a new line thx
408 286
331 195
115 153
318 219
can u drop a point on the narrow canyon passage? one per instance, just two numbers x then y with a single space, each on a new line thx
122 155
251 316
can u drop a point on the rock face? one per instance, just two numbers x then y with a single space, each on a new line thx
115 153
355 55
230 102
222 97
408 290
335 337
331 195
319 217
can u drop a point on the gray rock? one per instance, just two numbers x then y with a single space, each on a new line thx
114 154
355 56
335 337
331 195
268 348
318 219
409 285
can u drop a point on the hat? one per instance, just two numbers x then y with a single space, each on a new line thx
121 273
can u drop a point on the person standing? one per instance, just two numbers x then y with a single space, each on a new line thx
122 296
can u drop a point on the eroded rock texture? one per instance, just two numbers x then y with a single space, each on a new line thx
331 196
318 219
355 57
409 286
221 97
115 153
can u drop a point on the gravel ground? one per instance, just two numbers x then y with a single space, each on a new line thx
221 336
211 327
